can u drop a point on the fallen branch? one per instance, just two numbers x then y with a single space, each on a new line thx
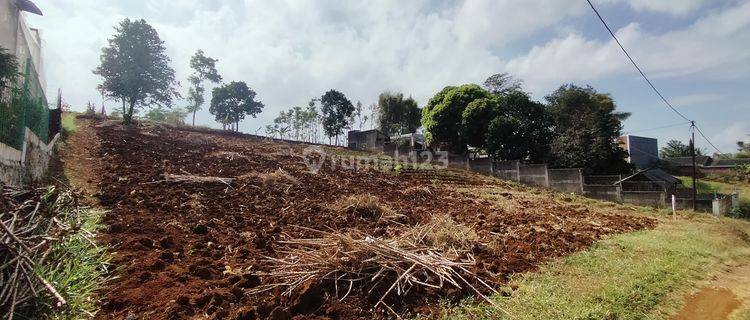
192 179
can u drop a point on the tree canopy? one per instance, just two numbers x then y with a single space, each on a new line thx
204 68
442 117
586 128
397 115
135 68
675 148
337 110
501 84
231 102
521 129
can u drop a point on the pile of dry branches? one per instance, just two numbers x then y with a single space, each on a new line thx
358 260
29 227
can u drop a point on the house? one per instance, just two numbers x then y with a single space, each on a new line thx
24 42
652 179
703 165
643 152
368 140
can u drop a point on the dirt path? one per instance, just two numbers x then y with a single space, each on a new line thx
726 293
79 160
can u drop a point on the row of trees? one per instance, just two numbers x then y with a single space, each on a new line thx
577 127
136 71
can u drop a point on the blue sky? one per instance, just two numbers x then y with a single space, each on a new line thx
697 52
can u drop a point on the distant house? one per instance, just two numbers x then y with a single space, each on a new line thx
368 140
703 165
652 179
643 152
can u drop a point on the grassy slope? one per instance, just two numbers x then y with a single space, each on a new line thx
638 275
706 186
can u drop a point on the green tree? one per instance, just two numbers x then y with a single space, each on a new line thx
8 69
442 117
397 115
520 130
337 110
476 119
157 113
586 128
231 102
676 148
744 148
204 68
135 68
501 84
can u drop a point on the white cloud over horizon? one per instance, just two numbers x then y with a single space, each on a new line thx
291 51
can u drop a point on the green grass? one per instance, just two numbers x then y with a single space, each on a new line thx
639 275
77 270
69 122
707 186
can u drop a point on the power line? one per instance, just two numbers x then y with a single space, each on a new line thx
634 64
661 127
709 142
646 78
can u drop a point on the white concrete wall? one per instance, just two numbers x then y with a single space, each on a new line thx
30 164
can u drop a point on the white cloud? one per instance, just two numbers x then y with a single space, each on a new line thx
726 139
714 46
676 7
290 51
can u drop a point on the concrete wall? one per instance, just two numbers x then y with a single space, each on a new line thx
566 180
656 199
30 164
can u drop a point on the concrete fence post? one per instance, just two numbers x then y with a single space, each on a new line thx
546 176
580 179
518 171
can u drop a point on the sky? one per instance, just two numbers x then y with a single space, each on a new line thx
697 52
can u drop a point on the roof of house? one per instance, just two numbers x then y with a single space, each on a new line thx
729 162
688 161
28 6
653 174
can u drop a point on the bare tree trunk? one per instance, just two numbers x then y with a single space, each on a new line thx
194 110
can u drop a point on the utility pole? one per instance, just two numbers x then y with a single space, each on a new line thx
692 151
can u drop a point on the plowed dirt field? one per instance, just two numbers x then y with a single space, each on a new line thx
193 249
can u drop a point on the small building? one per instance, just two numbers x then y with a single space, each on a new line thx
368 140
652 179
643 152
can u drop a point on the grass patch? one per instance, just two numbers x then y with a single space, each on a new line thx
639 275
69 124
80 270
706 186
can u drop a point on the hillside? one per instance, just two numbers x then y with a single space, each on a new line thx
230 226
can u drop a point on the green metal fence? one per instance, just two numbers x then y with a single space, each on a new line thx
20 108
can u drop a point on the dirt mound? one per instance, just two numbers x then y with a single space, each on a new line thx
189 249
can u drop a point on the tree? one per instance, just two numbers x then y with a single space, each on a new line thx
501 84
158 113
442 117
476 120
336 109
744 147
521 129
359 118
176 116
586 128
397 115
676 148
8 69
204 68
231 102
135 68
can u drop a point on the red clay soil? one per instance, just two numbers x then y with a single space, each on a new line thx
188 250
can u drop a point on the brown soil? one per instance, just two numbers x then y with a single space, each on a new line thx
710 303
185 250
723 294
